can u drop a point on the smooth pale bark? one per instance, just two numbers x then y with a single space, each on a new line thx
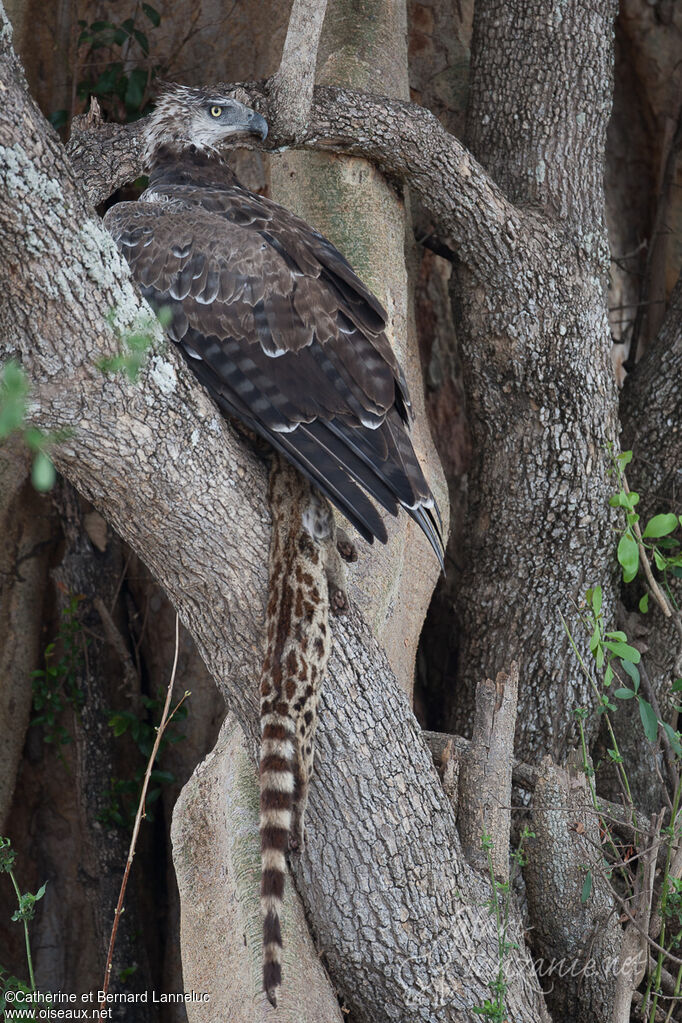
485 781
217 858
173 480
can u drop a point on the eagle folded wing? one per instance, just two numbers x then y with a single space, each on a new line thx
283 334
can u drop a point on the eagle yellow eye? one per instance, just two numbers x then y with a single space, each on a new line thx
216 111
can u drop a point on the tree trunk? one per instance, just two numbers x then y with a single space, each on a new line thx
538 376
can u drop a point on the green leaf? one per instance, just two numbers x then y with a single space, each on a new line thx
43 472
660 525
118 725
633 672
624 694
163 777
13 392
628 557
608 676
624 458
152 14
618 635
660 560
137 83
623 500
649 720
644 604
595 638
596 599
108 80
624 651
677 685
142 40
587 888
674 738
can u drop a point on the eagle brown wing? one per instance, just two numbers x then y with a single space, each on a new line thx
277 326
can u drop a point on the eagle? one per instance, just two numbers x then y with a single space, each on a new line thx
270 316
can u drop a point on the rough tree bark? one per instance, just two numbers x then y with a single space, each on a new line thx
539 382
398 947
164 468
533 329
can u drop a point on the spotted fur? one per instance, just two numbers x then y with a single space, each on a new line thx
304 577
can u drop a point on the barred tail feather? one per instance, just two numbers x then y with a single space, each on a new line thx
276 798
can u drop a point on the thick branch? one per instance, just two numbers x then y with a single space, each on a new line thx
538 124
105 155
291 86
407 142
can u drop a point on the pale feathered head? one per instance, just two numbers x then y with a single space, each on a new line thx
184 116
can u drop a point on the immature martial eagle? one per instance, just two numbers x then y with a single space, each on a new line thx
270 316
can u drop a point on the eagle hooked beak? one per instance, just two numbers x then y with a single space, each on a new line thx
255 124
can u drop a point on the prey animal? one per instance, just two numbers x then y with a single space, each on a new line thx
286 338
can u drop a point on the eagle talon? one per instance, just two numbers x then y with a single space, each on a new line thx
297 838
345 546
338 601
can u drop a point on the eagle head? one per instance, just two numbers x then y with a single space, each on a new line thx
184 117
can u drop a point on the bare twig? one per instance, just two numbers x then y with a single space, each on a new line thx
165 718
633 953
115 639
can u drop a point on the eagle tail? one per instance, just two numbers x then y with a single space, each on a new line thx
278 740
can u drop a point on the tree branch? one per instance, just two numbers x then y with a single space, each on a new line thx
486 775
406 142
291 87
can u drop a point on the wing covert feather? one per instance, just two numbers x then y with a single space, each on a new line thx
284 335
